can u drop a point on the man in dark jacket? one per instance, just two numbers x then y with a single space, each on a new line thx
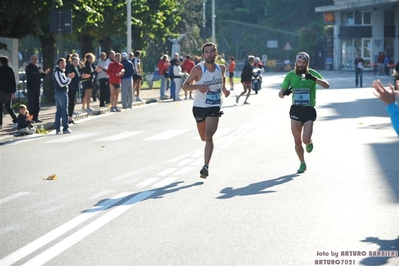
8 86
34 75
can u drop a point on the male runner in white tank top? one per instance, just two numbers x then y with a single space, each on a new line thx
207 80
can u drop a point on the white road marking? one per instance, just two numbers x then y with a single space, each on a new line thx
59 231
87 230
101 194
14 196
184 162
165 182
147 182
168 134
184 171
126 175
120 136
26 139
167 171
73 137
221 131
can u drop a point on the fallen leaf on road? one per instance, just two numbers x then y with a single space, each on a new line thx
51 177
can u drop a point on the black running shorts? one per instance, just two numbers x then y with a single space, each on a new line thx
200 113
231 75
303 113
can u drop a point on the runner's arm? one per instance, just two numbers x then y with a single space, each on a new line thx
195 75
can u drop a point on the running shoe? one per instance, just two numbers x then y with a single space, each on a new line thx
117 109
245 102
113 109
302 168
309 147
204 172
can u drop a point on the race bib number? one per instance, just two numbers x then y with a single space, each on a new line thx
213 97
301 97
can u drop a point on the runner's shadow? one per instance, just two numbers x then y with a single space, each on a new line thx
386 245
255 188
158 193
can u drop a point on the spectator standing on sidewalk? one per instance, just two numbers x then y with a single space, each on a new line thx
380 63
137 77
386 63
178 77
101 68
127 82
359 65
73 87
61 82
187 66
34 75
173 62
88 82
162 68
115 72
8 86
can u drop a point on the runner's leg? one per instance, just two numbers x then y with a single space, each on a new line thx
296 129
211 125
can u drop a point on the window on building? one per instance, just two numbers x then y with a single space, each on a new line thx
356 18
389 17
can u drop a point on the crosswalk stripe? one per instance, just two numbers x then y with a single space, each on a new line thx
165 182
184 171
14 196
100 194
168 134
120 136
184 162
147 182
26 139
220 132
71 240
69 138
59 231
167 171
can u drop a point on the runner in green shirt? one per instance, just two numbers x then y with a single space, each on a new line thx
301 82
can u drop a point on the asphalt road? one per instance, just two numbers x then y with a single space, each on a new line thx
128 190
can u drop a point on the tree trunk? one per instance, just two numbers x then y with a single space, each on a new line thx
48 48
86 44
105 45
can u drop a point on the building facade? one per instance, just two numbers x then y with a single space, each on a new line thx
363 26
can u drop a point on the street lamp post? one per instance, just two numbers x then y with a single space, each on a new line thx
213 21
129 26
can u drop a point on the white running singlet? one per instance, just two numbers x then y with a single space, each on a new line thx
214 80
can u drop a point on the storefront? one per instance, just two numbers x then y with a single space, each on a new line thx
363 27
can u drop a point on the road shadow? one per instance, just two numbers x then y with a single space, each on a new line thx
158 193
386 245
354 109
387 156
255 188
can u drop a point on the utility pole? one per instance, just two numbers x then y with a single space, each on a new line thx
213 22
129 26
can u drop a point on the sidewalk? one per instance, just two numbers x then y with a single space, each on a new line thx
47 113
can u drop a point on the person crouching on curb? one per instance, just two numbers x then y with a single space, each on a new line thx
25 122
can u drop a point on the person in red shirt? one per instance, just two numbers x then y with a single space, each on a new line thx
115 72
163 66
232 67
188 64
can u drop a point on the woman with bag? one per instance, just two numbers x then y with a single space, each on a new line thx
8 87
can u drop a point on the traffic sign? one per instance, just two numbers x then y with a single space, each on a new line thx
287 47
